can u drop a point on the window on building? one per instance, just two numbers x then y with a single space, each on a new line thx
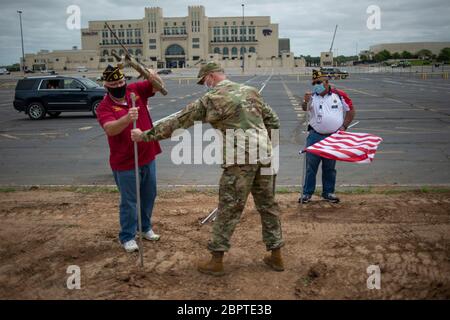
195 58
234 51
195 40
195 46
217 50
175 50
130 51
152 40
225 23
152 47
105 53
252 50
225 51
138 52
243 50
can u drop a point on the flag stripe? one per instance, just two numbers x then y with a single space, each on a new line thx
347 146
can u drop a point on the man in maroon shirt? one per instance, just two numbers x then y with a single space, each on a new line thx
116 115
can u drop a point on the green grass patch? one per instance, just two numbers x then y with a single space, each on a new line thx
283 190
7 189
88 190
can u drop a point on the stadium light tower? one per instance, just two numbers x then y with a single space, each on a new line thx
21 37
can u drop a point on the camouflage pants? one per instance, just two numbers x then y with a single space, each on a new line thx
235 185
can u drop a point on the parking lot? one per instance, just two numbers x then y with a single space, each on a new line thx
410 114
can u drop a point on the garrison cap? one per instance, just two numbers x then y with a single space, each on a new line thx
208 68
112 74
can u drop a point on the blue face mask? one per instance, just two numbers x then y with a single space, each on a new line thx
318 88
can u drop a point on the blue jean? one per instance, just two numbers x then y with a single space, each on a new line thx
126 182
312 165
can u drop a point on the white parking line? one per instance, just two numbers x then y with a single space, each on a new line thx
9 136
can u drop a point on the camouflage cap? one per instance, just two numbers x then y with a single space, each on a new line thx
208 68
112 74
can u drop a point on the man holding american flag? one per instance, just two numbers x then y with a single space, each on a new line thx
330 110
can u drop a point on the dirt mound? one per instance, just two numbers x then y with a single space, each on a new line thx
328 248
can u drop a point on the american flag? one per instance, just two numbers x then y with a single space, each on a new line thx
347 146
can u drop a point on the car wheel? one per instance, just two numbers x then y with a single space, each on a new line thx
36 111
95 105
54 114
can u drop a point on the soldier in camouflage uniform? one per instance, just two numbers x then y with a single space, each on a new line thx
229 105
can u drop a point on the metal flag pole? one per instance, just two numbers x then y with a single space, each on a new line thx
304 156
138 189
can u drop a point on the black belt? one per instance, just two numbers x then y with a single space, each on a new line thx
322 134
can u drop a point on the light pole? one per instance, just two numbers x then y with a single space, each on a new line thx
243 38
21 37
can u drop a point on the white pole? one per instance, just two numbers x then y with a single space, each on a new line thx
304 153
138 189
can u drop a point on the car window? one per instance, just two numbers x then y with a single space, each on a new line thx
72 84
25 84
89 83
51 84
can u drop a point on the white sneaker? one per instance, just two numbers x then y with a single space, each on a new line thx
150 235
130 246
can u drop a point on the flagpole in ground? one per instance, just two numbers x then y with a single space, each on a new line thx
304 157
138 188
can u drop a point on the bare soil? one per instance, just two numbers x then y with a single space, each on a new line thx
328 248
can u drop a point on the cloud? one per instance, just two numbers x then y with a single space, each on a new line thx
309 24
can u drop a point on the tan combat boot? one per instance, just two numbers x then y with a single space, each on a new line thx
274 260
214 266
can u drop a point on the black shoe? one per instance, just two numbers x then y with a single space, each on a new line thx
331 197
304 198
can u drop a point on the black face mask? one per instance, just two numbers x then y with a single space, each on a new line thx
118 92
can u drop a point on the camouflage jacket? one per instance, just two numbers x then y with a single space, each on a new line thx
228 107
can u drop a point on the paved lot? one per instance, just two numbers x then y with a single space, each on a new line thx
411 115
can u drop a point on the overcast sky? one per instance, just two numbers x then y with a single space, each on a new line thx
309 24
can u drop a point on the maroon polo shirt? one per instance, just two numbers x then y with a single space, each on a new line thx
121 146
